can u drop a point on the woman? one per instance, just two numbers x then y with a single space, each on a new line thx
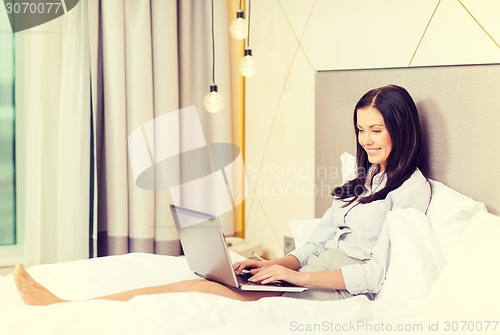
348 253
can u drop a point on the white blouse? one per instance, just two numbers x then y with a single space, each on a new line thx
358 231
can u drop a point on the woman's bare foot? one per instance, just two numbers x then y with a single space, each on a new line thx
31 291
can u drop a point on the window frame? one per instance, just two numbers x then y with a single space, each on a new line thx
19 251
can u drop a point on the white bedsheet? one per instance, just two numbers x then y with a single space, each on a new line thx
174 313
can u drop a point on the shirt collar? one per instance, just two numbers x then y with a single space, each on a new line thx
377 182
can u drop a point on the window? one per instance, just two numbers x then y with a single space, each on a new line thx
7 137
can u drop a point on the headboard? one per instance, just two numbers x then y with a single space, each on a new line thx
459 113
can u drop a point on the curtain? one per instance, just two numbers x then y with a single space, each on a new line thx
150 68
52 138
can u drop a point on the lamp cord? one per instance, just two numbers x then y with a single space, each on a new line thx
213 45
248 36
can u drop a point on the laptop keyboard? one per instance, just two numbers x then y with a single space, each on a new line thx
243 280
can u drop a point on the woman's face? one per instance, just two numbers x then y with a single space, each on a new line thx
373 136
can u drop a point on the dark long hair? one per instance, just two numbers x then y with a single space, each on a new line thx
401 120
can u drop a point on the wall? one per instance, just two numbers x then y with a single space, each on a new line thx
294 39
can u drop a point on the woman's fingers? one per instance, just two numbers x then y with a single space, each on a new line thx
246 264
276 273
270 274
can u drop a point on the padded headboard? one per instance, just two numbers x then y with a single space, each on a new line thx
459 109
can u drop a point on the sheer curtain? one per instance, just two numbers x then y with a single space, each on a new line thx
149 59
53 136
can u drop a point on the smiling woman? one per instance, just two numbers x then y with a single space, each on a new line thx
7 143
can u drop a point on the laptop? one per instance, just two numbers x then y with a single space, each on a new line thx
206 252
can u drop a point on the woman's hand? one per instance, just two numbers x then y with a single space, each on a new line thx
277 272
289 261
285 269
248 264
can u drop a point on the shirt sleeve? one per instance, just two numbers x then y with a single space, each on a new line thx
369 277
317 240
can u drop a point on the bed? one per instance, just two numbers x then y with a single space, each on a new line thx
420 291
442 276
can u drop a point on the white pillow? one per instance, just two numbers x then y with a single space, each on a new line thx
348 163
468 286
449 212
415 259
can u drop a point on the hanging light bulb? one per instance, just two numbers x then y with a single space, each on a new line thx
238 27
247 64
213 101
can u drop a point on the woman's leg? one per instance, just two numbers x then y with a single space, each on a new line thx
35 294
